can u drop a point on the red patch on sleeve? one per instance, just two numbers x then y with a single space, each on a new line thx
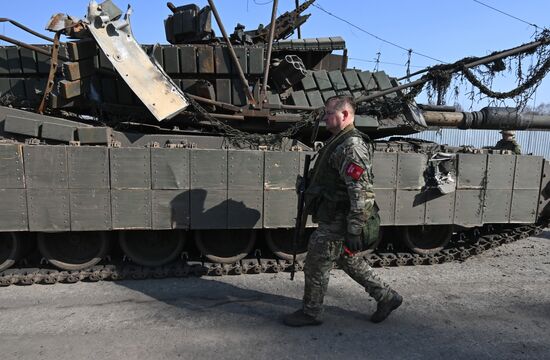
354 171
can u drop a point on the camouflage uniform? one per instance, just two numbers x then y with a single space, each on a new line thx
340 198
510 145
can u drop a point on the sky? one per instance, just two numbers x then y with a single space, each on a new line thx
441 30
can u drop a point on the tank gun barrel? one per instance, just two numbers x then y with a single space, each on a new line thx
489 118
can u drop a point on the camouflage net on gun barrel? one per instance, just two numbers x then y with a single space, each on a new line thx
440 77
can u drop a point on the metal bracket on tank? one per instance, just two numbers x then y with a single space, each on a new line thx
113 34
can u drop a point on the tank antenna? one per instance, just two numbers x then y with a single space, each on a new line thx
297 9
269 49
236 63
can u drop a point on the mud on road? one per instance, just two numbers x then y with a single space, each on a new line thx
492 306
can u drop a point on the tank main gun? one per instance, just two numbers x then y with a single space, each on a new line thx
488 118
418 118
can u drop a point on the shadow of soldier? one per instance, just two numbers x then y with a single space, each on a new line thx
201 209
223 228
204 294
193 297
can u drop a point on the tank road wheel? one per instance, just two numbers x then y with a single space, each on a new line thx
152 248
427 239
10 249
280 242
225 246
73 250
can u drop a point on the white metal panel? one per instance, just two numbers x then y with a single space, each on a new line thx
149 82
531 142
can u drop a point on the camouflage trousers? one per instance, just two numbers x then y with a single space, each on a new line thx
326 245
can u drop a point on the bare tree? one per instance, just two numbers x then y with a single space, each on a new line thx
540 109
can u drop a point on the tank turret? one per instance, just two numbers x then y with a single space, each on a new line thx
252 81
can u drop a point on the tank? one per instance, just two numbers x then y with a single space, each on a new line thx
120 160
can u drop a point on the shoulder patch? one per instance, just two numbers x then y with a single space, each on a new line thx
354 171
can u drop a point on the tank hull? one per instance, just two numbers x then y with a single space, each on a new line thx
197 183
128 189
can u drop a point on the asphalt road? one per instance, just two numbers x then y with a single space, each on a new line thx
492 306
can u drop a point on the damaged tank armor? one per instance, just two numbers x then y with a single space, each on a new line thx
108 162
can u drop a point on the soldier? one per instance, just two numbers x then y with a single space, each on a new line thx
340 198
508 142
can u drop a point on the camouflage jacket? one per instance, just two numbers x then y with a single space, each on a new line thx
341 183
511 145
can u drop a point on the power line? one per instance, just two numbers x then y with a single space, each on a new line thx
507 14
377 62
384 62
373 35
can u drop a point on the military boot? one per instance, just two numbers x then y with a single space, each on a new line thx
386 306
299 318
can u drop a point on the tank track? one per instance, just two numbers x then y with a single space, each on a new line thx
462 246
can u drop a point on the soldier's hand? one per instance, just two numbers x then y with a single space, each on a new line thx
353 242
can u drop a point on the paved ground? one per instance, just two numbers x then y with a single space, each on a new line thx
495 305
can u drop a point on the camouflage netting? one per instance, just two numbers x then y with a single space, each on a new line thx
439 78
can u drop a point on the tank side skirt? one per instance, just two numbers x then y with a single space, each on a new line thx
269 204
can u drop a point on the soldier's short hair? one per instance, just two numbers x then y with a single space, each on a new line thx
340 101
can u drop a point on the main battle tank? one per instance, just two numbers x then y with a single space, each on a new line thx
126 160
